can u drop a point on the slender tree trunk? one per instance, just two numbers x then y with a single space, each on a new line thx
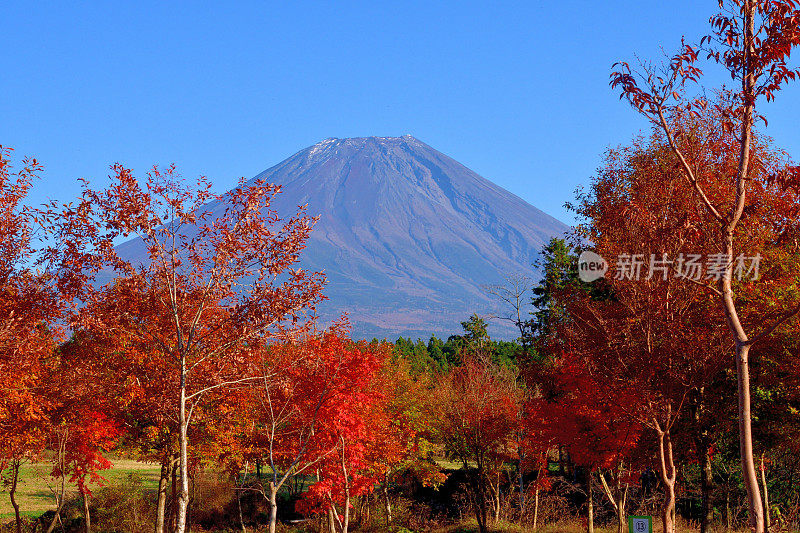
478 482
239 487
183 495
239 507
755 507
536 502
167 468
173 502
521 486
706 485
56 517
491 492
273 506
386 500
617 498
364 515
483 511
728 518
621 513
569 468
668 512
766 495
589 502
87 517
346 476
745 68
496 498
346 521
59 495
668 478
333 519
12 493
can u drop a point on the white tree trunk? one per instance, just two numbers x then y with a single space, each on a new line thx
183 495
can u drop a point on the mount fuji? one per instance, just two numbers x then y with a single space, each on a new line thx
407 237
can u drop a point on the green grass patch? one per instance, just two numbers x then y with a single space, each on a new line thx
35 490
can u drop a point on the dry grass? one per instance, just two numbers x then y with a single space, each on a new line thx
470 526
571 526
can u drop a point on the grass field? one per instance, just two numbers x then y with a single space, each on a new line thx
35 496
35 490
470 526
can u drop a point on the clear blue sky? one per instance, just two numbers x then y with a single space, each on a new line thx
518 91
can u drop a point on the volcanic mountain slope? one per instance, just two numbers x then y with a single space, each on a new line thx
407 236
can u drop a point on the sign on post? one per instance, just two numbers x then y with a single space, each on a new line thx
640 524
